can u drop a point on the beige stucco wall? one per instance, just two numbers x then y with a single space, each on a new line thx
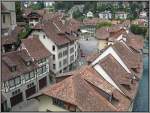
45 104
7 23
102 44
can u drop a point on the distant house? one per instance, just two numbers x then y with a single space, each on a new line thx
143 15
8 16
89 14
120 15
105 15
32 17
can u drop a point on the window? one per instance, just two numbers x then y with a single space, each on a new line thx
72 50
60 71
60 64
65 52
27 76
53 48
30 85
39 71
60 55
44 36
54 66
17 80
32 74
4 19
15 92
58 102
75 54
71 58
13 68
53 57
28 63
44 68
64 61
11 83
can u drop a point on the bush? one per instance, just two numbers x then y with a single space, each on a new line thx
25 32
140 30
103 24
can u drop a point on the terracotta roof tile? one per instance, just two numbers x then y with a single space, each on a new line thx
53 32
35 48
135 41
77 91
131 59
102 33
16 58
117 73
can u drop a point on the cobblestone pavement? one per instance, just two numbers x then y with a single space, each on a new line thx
30 105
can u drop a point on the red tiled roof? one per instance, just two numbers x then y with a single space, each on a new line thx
17 58
135 41
102 33
131 59
72 25
77 91
53 32
118 74
35 48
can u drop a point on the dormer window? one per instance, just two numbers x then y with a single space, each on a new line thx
53 48
13 68
28 63
44 36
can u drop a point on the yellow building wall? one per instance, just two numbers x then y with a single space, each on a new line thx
45 104
102 44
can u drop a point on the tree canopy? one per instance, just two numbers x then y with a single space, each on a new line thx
140 30
103 24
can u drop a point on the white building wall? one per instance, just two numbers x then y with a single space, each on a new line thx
48 43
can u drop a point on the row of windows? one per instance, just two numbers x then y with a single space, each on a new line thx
41 70
16 92
14 82
64 61
27 76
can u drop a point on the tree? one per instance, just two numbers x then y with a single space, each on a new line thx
19 17
63 5
140 30
103 24
78 15
39 5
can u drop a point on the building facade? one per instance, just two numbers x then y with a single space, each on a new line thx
120 15
22 76
8 15
64 48
105 15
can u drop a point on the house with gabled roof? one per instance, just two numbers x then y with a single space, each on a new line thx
24 72
63 46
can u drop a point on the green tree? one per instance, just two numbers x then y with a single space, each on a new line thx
63 5
39 5
103 24
140 30
19 17
78 15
